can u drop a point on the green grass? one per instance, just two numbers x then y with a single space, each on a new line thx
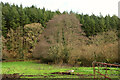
33 68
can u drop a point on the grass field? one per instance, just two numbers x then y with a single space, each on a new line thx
31 69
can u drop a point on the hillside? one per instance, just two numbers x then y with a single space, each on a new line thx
63 41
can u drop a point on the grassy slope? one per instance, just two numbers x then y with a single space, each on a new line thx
32 68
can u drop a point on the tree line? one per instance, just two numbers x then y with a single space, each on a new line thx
14 16
92 25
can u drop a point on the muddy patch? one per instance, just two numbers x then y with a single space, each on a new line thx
69 73
38 76
17 76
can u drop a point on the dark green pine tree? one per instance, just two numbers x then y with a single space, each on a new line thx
57 12
14 17
65 12
107 22
92 25
87 27
102 25
22 16
5 18
114 22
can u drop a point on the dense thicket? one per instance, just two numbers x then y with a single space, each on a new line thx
19 44
15 16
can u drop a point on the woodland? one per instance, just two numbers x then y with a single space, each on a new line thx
32 33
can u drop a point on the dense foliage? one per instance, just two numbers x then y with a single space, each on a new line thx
14 16
19 44
96 24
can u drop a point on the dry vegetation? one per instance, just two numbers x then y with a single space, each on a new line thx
63 41
19 44
62 35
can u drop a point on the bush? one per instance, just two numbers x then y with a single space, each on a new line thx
58 54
